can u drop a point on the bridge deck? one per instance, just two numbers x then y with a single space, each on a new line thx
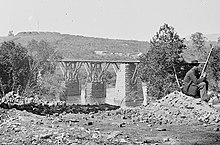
104 61
101 61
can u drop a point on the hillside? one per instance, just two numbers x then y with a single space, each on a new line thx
80 47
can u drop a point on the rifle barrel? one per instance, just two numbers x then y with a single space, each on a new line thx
206 62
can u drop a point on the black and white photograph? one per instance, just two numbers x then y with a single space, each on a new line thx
109 72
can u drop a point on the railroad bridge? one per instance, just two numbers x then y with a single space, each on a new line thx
128 86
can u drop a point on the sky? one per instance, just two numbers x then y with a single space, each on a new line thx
113 19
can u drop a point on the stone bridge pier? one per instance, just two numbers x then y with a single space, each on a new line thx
95 87
129 89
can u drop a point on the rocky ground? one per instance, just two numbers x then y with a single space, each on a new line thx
176 119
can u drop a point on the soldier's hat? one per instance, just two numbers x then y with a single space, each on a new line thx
194 63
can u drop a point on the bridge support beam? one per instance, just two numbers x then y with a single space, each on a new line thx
95 87
128 86
70 72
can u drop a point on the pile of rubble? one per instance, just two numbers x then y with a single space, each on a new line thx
177 108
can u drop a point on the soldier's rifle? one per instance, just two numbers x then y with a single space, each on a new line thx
206 62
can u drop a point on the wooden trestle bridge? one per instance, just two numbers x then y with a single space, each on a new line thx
95 68
128 85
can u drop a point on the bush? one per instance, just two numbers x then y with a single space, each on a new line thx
51 87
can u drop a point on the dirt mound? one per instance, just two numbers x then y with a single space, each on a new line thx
179 108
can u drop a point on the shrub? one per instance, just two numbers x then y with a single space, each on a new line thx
51 87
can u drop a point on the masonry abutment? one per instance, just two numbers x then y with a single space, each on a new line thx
72 87
128 86
95 92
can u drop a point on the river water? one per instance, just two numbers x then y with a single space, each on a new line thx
110 98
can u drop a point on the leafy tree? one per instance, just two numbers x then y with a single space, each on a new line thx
44 61
214 67
14 67
157 65
198 41
44 56
19 69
